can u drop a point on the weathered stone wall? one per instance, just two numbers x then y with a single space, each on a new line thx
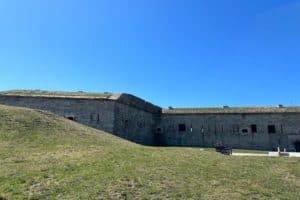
95 113
138 103
137 120
134 124
233 130
128 117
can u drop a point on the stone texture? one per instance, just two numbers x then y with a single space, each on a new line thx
85 111
134 119
134 124
208 129
123 115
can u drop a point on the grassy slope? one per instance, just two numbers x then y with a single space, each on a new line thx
43 156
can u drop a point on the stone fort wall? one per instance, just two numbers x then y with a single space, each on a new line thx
134 119
265 131
134 124
95 113
128 117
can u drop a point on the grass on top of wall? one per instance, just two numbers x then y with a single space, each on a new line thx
43 156
56 93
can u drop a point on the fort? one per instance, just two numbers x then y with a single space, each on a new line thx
132 118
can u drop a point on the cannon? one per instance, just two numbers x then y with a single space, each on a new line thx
223 149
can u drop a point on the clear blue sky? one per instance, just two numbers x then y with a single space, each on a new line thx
181 53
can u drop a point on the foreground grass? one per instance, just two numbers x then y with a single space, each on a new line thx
43 156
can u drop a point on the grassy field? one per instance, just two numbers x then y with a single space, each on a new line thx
43 156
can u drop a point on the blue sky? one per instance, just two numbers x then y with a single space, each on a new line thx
182 53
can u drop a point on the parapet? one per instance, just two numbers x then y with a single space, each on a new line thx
139 103
232 110
123 98
56 94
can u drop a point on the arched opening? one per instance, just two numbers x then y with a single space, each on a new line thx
71 118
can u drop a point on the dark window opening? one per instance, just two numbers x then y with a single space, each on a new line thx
158 130
91 117
98 118
181 127
297 145
271 129
71 118
126 123
253 128
244 130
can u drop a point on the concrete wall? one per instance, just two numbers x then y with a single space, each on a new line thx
95 113
206 130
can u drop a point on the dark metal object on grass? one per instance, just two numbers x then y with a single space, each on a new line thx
223 149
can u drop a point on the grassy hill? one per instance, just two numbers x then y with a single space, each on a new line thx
43 156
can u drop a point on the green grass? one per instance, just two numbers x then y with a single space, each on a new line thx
43 156
239 151
250 151
294 109
56 93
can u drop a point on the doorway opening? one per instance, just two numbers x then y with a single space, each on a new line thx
297 145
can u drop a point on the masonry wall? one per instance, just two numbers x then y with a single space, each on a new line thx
95 113
233 130
131 118
139 121
134 124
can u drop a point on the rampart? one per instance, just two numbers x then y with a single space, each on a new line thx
137 120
